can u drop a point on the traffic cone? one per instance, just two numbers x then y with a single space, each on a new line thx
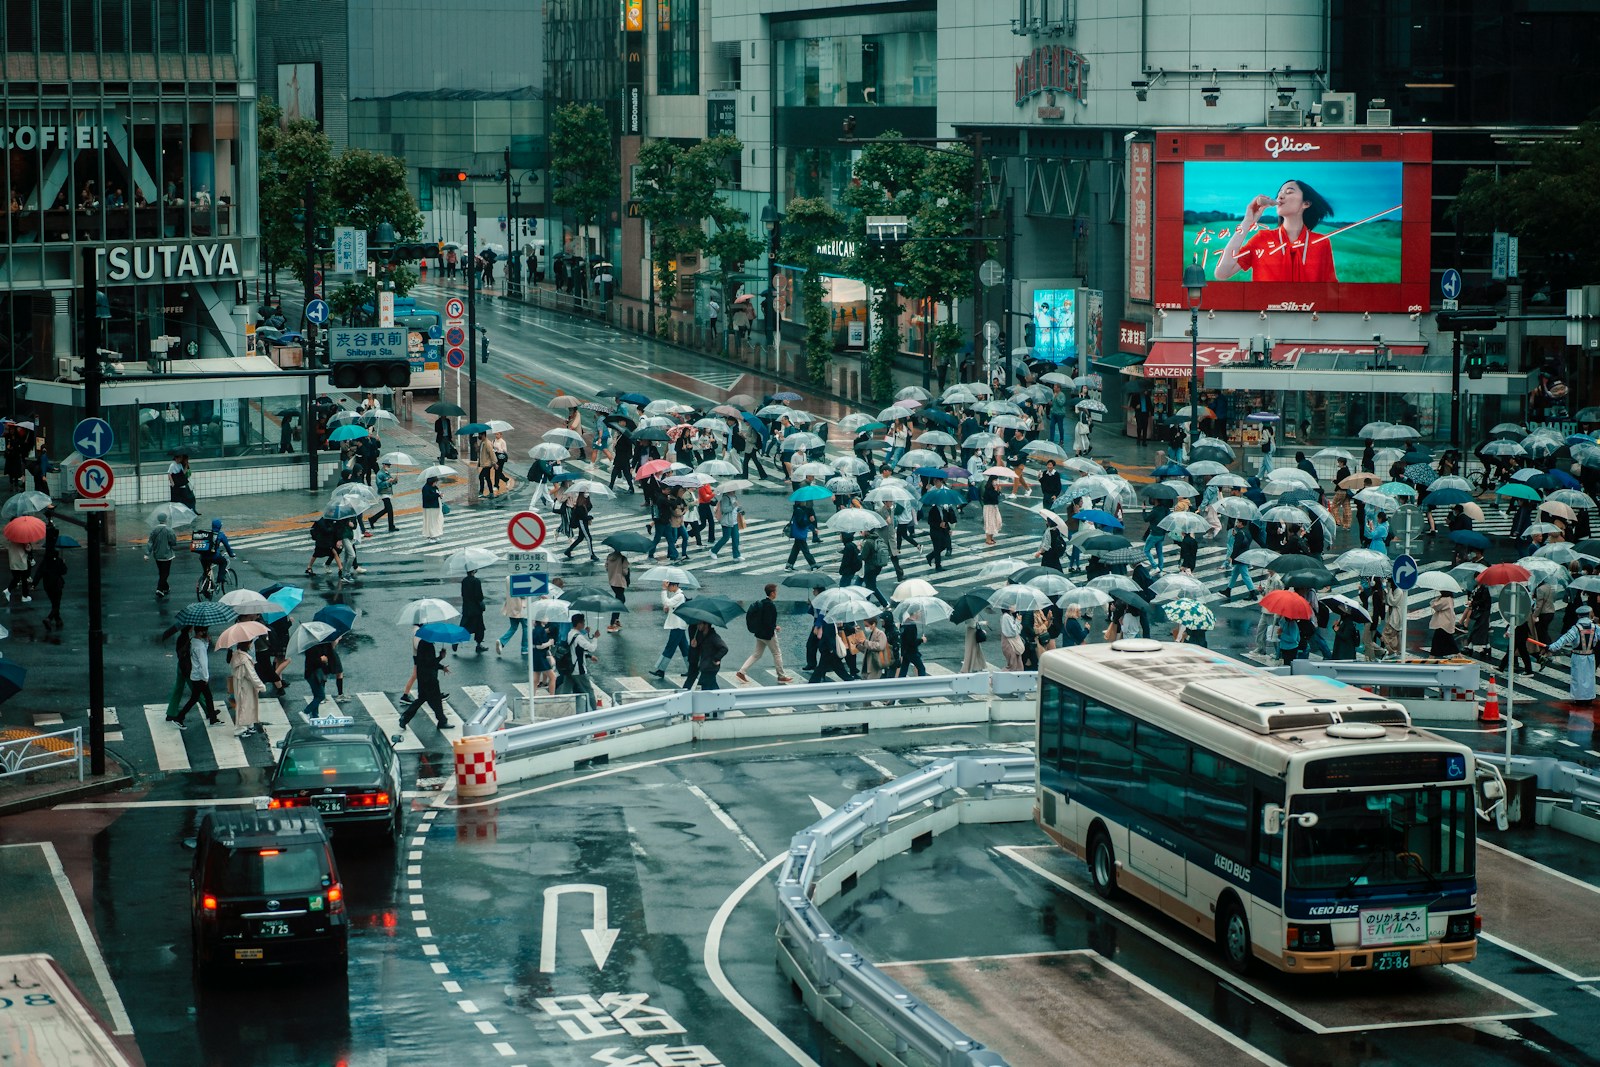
1491 704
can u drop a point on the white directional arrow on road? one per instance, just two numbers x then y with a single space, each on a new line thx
600 937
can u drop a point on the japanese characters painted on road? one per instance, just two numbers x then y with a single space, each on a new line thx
525 530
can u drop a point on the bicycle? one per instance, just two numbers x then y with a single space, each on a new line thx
214 584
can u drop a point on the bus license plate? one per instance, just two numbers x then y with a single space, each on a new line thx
1391 961
329 804
248 954
273 928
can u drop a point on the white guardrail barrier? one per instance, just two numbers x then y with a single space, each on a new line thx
843 982
39 752
1552 775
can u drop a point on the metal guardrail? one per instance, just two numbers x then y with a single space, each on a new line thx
492 714
39 752
833 962
670 708
1553 776
1435 675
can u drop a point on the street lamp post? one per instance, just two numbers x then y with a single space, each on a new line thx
467 195
1194 283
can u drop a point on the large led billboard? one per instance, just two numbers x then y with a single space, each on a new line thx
1305 221
1055 325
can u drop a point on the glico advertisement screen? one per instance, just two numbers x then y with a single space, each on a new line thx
1308 220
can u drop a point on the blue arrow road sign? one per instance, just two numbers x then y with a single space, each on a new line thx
1450 284
533 583
1405 572
93 438
317 312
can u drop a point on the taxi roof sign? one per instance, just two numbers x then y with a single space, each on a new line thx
331 720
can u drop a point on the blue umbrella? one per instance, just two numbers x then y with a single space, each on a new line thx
755 422
12 675
939 418
287 597
787 396
1470 538
810 492
1444 498
348 432
944 498
1563 479
443 633
566 476
66 542
1099 518
871 427
342 617
638 399
932 472
472 428
1171 470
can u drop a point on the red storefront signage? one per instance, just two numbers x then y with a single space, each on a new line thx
1133 337
1141 175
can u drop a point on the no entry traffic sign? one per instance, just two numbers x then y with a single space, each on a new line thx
525 530
456 357
93 478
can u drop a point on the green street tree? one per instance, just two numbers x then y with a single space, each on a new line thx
292 156
368 189
679 194
1527 202
939 263
583 168
810 222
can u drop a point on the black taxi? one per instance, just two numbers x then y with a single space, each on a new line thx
347 773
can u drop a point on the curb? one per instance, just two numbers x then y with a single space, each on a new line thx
49 794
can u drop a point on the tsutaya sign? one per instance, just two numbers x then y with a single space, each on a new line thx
1052 68
196 261
27 138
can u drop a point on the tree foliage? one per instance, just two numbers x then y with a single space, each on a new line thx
809 222
940 263
292 156
583 169
1534 204
680 194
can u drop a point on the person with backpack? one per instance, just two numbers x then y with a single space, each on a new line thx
799 530
761 620
1052 547
1241 543
874 556
911 646
573 656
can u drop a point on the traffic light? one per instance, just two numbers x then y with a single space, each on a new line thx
1474 364
1466 321
370 359
451 177
410 253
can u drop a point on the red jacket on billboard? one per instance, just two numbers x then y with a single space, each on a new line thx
1273 256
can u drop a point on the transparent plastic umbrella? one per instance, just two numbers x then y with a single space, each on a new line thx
426 610
1087 599
853 520
913 587
548 451
472 558
928 609
310 634
397 459
676 575
717 468
550 611
26 503
356 495
890 493
850 465
177 516
1018 598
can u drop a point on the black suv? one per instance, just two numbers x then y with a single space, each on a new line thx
347 773
265 891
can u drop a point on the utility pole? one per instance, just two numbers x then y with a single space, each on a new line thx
311 356
472 311
978 252
95 522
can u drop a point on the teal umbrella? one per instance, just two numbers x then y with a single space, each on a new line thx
348 433
811 492
1518 490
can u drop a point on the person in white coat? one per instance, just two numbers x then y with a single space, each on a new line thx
672 599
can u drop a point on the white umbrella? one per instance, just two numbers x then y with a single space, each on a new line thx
736 485
436 471
668 573
842 485
428 609
894 412
1258 557
1169 586
560 435
889 493
1039 451
912 392
718 468
854 610
356 495
473 558
1210 468
1237 507
1084 465
1181 488
1018 598
664 407
1049 516
548 451
811 470
983 441
1110 583
1051 584
850 465
247 602
550 611
692 480
590 487
397 459
1084 598
1000 568
829 600
1292 474
929 608
309 634
935 439
921 457
1287 513
498 426
1438 580
853 422
1184 522
853 520
959 394
913 587
800 442
1228 481
1365 562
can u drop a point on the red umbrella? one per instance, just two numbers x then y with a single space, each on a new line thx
1287 604
650 469
25 530
1499 574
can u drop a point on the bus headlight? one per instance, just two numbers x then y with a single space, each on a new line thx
1310 937
1463 927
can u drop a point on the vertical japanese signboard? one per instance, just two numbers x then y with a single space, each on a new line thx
1140 177
633 69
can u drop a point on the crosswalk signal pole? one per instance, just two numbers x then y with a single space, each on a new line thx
95 523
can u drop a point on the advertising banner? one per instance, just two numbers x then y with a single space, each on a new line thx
1141 183
1310 221
1055 325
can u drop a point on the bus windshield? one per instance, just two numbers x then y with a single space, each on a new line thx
1384 838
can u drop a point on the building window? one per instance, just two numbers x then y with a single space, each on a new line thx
885 69
677 47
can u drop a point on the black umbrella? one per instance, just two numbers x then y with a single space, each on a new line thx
207 613
1105 542
940 418
1132 599
1026 573
598 603
1294 563
690 613
1159 491
968 606
1590 547
1131 554
622 421
814 580
649 433
1202 453
287 413
628 541
12 675
723 607
444 407
1310 579
1296 496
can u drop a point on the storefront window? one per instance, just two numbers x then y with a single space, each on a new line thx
888 70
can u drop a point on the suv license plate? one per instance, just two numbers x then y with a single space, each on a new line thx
329 804
248 954
1391 961
273 928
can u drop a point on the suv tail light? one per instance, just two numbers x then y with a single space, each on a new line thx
287 802
336 898
367 800
208 902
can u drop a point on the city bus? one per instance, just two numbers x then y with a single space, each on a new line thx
1296 821
425 326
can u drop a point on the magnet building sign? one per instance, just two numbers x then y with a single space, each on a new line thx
191 261
1052 68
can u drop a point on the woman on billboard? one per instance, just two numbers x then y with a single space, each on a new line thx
1292 252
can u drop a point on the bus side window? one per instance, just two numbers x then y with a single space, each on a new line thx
1060 719
1107 759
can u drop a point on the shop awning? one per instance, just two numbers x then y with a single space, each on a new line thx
1171 359
137 387
1119 360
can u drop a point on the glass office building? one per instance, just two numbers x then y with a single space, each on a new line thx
129 130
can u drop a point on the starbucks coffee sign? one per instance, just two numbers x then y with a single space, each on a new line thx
177 261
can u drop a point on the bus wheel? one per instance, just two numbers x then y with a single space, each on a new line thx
1233 937
1102 866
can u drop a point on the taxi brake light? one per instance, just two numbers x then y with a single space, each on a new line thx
269 852
209 903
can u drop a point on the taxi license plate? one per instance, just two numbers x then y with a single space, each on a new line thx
329 804
1391 961
248 954
273 928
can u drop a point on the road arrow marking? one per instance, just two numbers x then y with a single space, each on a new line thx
600 937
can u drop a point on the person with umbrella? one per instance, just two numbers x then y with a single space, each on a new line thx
19 555
802 522
729 516
579 516
672 599
432 512
540 644
581 644
53 577
1475 621
199 664
941 520
178 490
385 486
429 659
444 438
1241 542
710 650
622 461
1011 646
989 497
163 548
1347 637
247 689
619 572
1443 624
472 605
